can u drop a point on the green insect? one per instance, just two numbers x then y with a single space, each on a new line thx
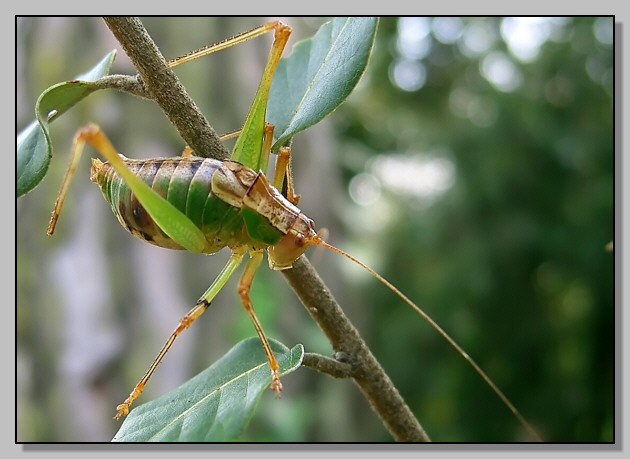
203 205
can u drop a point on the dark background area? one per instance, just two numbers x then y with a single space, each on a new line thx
473 167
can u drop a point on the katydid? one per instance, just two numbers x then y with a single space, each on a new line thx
203 205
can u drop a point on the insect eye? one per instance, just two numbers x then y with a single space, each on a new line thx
299 240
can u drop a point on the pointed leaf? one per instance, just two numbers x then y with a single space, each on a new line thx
319 75
215 405
34 148
32 158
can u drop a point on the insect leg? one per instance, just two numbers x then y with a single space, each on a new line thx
77 149
244 287
202 304
266 146
249 146
171 220
240 38
283 168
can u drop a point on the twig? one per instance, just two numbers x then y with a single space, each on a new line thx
367 373
331 367
127 83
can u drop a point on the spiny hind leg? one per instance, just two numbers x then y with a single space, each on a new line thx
202 305
277 27
244 288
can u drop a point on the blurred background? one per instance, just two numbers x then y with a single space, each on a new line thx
473 167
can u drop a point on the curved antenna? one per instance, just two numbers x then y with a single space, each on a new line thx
320 242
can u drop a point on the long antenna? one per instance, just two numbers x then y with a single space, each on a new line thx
440 331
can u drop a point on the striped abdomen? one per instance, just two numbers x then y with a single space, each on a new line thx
186 182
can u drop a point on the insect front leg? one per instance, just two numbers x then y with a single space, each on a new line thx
283 169
200 307
244 287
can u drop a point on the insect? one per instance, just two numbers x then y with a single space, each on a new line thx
215 204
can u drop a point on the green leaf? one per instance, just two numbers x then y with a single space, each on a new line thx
217 404
319 75
32 158
34 148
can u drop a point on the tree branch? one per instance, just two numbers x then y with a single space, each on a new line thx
367 373
163 86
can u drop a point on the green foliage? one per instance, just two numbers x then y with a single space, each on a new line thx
217 404
34 147
319 75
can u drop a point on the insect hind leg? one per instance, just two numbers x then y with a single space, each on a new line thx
273 26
